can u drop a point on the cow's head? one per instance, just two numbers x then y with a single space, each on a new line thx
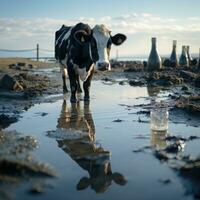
100 41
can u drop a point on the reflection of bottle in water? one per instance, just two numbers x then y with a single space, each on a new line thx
159 119
154 60
158 139
174 57
183 61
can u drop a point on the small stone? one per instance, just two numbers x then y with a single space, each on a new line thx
117 120
36 189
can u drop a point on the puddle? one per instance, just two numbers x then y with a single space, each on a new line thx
91 146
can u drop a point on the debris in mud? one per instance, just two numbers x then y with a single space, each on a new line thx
16 158
117 120
165 181
29 84
190 104
185 88
37 188
187 75
133 66
122 83
106 79
42 114
175 147
197 82
163 79
16 161
141 136
137 82
139 150
142 121
143 112
21 66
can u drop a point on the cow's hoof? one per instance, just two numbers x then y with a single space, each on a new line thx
86 99
73 100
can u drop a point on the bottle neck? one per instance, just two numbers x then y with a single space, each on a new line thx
153 46
183 50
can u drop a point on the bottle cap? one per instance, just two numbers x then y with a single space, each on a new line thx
153 39
174 42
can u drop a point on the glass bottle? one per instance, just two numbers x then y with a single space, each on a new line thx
159 119
183 61
188 54
154 60
174 57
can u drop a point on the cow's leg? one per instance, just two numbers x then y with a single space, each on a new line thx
86 86
79 90
64 76
73 84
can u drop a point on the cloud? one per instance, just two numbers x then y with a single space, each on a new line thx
26 32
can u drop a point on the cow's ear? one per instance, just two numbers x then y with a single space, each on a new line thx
118 39
81 36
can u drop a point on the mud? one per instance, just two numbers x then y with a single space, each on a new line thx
17 163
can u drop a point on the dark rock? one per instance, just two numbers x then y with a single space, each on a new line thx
167 62
14 66
6 120
174 148
175 138
185 88
143 112
10 83
136 82
145 64
197 82
193 62
121 83
193 138
21 64
106 79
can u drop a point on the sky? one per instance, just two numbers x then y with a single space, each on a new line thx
24 23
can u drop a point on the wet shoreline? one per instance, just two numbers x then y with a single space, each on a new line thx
107 147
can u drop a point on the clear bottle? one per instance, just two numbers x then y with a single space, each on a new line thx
183 61
154 61
188 54
159 119
174 56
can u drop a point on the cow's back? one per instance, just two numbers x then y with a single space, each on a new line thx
61 41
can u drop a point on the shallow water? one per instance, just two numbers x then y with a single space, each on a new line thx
93 155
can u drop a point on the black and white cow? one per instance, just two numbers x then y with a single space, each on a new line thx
79 49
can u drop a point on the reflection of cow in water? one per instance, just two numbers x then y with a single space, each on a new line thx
84 151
